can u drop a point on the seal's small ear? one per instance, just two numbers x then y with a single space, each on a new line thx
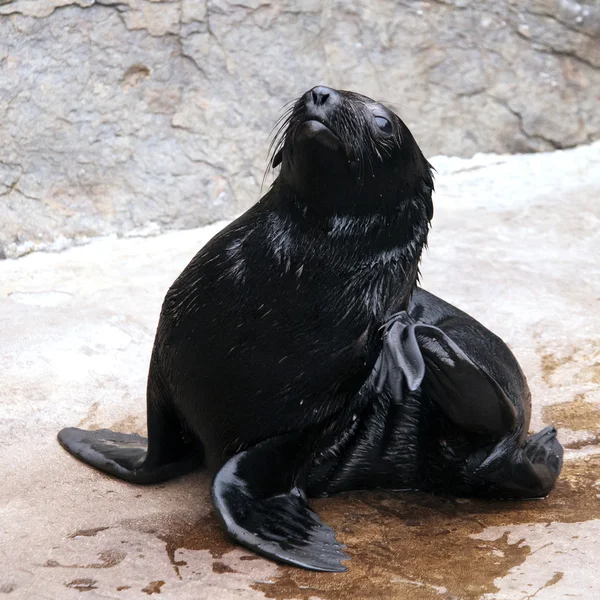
277 158
428 188
427 193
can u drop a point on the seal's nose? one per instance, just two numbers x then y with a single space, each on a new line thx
321 95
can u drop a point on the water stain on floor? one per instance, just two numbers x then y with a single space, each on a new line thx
131 424
82 585
153 587
577 415
203 534
221 567
185 532
86 532
89 421
418 546
402 544
582 363
108 559
550 364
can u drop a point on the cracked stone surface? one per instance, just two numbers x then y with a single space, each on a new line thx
135 116
515 243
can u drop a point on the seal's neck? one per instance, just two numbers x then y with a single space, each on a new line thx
384 228
386 255
378 252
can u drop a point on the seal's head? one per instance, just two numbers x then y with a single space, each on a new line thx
343 152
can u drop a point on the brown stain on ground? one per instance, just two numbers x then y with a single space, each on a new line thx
551 363
108 559
221 567
87 532
577 415
131 424
402 544
553 580
89 421
592 440
181 531
7 588
82 585
586 363
153 587
419 546
202 534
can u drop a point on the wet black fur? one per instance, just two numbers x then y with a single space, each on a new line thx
295 352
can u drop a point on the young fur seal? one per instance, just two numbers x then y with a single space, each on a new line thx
295 356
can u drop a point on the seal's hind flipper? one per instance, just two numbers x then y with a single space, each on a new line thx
123 455
401 358
530 471
467 394
423 355
259 496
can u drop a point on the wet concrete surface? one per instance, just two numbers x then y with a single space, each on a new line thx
76 331
418 546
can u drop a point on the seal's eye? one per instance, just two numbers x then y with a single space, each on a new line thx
383 124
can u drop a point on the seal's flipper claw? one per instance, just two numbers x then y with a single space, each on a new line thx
258 499
464 391
123 455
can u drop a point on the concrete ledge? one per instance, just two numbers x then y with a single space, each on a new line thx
515 243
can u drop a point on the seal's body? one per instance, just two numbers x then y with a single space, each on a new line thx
296 355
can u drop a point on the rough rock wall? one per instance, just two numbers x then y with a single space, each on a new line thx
137 115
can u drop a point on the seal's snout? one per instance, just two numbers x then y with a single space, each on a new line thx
320 96
320 101
316 110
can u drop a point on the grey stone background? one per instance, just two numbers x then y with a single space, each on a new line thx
132 116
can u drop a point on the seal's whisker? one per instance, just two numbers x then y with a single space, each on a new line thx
278 136
281 126
283 117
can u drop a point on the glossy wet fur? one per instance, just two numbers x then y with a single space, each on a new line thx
297 289
288 358
377 169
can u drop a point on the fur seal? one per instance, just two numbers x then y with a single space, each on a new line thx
296 356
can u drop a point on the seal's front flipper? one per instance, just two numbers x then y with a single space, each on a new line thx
124 455
423 355
118 454
259 495
169 451
527 472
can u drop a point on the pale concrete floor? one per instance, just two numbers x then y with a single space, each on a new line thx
515 243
